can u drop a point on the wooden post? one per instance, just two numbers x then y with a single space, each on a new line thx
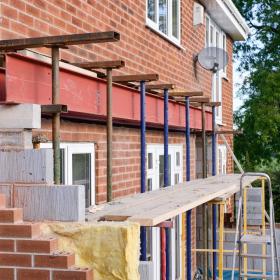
221 241
56 116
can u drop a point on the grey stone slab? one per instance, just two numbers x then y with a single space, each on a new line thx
15 139
146 270
27 166
52 203
20 116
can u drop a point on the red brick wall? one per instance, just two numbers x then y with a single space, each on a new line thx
142 49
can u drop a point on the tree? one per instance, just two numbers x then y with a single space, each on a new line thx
259 117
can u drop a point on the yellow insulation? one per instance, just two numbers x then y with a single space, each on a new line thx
110 249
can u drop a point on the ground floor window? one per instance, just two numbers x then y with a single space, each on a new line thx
77 167
155 172
222 159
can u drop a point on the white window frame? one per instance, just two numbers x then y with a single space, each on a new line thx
155 25
76 148
216 77
157 150
222 159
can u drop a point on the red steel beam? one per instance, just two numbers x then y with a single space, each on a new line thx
27 80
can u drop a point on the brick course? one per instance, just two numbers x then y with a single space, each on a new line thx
35 258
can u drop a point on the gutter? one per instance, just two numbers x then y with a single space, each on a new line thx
235 12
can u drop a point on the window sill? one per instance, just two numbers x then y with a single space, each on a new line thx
170 40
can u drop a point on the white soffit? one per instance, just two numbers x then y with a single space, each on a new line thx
227 16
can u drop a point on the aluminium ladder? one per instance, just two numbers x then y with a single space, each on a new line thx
243 237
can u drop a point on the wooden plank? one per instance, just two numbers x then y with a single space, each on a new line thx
152 208
183 93
200 99
54 108
101 64
214 104
135 78
160 87
60 40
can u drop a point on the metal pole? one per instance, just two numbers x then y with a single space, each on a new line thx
109 134
143 236
204 207
214 207
166 176
56 116
188 177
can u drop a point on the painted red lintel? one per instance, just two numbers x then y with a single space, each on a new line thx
29 81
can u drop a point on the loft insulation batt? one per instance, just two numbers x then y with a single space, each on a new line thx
111 249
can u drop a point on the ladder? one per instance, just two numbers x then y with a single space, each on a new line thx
244 238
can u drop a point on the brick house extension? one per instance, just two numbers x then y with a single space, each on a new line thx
157 36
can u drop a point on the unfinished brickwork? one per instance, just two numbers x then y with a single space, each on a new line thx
26 255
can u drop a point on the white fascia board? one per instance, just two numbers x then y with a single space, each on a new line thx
226 15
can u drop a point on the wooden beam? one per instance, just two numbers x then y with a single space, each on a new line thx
160 86
114 64
135 78
60 40
234 132
214 104
200 99
54 108
185 93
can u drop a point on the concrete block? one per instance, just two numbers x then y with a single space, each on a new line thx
27 166
146 270
7 190
20 116
51 203
15 139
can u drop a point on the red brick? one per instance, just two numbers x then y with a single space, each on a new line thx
13 259
7 273
75 274
56 260
7 245
24 230
33 274
11 215
2 201
37 246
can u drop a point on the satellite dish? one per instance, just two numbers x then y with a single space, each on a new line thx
213 59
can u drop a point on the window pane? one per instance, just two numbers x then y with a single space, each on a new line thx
217 39
150 161
149 243
176 178
81 173
150 184
161 171
152 10
177 159
62 166
175 18
207 32
163 16
211 35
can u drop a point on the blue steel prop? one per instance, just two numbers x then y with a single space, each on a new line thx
188 177
143 235
214 207
166 175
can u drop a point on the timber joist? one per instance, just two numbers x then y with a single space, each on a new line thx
113 64
135 78
59 41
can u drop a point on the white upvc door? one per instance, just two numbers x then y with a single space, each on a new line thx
78 167
155 179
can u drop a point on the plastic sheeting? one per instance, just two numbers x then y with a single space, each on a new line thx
111 249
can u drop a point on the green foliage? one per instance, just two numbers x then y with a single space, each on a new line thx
259 117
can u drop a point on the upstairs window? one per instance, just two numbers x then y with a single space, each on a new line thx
164 17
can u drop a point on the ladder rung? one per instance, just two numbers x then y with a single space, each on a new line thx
255 239
256 276
256 256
